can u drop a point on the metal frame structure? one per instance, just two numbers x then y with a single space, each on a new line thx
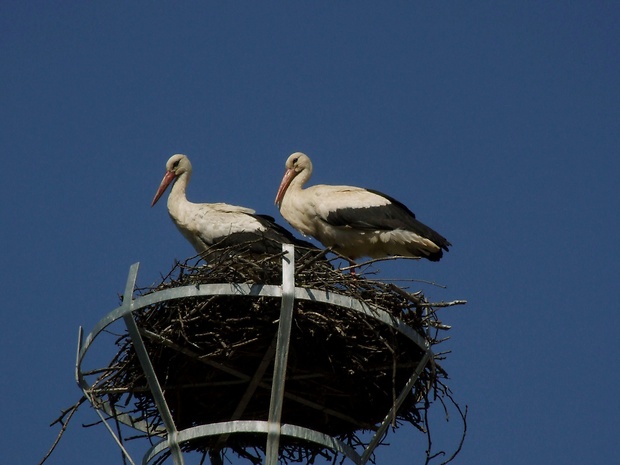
272 428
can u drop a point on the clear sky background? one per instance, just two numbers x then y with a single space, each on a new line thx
498 123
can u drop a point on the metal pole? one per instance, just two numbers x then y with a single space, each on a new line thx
281 357
149 371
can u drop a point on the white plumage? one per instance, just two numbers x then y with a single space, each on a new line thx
355 222
207 225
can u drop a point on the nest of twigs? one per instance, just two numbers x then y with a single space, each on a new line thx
213 355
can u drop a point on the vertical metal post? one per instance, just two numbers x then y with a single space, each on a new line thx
281 357
149 371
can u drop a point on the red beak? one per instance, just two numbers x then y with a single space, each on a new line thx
286 180
168 178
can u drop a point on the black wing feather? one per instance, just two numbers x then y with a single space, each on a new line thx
394 215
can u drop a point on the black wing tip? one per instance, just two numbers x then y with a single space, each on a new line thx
436 256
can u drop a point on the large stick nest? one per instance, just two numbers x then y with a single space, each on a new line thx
213 355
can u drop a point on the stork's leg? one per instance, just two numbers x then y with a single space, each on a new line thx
352 266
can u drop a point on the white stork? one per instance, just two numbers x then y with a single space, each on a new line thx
353 221
218 224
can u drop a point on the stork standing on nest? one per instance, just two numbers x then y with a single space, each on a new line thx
353 221
207 225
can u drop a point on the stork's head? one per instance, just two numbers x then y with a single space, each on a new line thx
176 166
295 164
298 162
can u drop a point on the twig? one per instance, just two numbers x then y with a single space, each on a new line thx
70 411
442 303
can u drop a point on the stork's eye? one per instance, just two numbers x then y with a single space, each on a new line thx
176 164
295 160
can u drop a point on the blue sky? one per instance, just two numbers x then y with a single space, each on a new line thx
498 123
